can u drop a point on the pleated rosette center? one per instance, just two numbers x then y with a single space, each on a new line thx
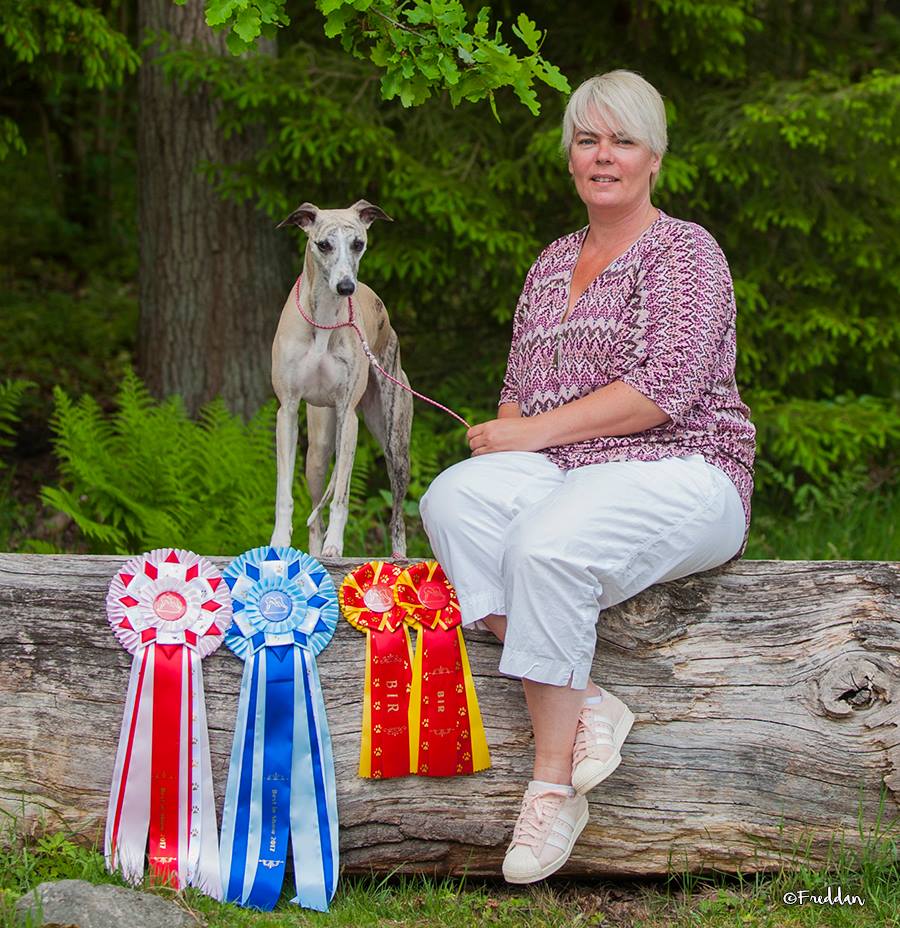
275 605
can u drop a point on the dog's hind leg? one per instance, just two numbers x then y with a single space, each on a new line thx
286 456
320 427
389 417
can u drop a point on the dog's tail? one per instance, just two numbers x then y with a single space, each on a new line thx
326 498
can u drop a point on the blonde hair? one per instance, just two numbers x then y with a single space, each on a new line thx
626 102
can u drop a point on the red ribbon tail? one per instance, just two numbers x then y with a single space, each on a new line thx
165 778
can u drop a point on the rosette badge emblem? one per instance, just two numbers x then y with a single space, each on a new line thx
275 606
170 606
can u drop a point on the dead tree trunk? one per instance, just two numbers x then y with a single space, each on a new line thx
213 274
767 697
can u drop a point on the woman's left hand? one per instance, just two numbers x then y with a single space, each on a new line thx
507 434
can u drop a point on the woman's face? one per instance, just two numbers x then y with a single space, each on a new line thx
611 171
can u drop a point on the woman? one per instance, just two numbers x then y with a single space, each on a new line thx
621 455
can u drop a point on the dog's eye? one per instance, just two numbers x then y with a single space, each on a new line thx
357 244
325 246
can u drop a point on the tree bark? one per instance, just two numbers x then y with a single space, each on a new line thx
213 274
766 696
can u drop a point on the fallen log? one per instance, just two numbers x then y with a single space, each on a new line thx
767 696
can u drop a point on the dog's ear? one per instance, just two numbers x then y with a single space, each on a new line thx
303 216
369 212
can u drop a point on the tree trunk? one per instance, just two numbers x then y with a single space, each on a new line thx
766 696
213 274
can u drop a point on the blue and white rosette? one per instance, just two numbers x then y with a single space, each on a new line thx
281 778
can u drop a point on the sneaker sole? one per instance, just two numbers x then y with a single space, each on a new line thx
550 869
620 733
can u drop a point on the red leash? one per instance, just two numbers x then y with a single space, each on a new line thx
351 323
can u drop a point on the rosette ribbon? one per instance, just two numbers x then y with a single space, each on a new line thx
281 778
446 734
367 603
169 608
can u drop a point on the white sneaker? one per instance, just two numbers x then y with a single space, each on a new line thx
546 831
602 728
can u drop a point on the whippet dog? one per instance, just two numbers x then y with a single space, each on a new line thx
328 368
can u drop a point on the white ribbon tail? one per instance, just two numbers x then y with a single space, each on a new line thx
128 818
314 820
203 837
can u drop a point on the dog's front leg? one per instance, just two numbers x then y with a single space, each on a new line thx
345 451
347 432
285 455
320 428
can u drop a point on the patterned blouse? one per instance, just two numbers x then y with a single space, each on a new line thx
661 318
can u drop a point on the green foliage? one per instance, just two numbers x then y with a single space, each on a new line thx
52 856
423 47
819 453
11 393
148 476
42 42
10 138
38 34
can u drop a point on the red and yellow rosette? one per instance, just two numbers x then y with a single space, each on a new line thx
367 602
446 734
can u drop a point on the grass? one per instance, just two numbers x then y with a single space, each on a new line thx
681 900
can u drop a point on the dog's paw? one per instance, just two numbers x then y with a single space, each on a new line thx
332 551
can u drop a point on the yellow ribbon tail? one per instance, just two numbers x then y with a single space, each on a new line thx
365 748
415 705
481 758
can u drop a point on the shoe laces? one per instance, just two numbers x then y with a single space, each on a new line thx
593 731
538 812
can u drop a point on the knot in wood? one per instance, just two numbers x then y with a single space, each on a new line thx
854 683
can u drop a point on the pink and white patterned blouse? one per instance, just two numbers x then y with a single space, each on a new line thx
661 318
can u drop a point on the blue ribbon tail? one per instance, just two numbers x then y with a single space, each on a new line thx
257 854
236 813
314 819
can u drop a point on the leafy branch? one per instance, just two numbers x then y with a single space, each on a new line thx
422 47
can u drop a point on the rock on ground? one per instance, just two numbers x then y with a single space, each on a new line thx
79 904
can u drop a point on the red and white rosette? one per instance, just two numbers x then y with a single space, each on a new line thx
168 608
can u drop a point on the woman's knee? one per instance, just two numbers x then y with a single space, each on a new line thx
452 489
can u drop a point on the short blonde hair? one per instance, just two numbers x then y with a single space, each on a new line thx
628 103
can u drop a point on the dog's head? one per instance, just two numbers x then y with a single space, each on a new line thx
337 239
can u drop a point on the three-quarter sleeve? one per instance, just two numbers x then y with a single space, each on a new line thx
509 391
688 314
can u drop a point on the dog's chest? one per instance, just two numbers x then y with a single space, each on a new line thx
322 369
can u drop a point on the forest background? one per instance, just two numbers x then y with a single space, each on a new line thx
145 166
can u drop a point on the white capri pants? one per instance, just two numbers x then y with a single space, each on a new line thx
549 548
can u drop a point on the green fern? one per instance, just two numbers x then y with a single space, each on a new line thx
148 476
11 393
